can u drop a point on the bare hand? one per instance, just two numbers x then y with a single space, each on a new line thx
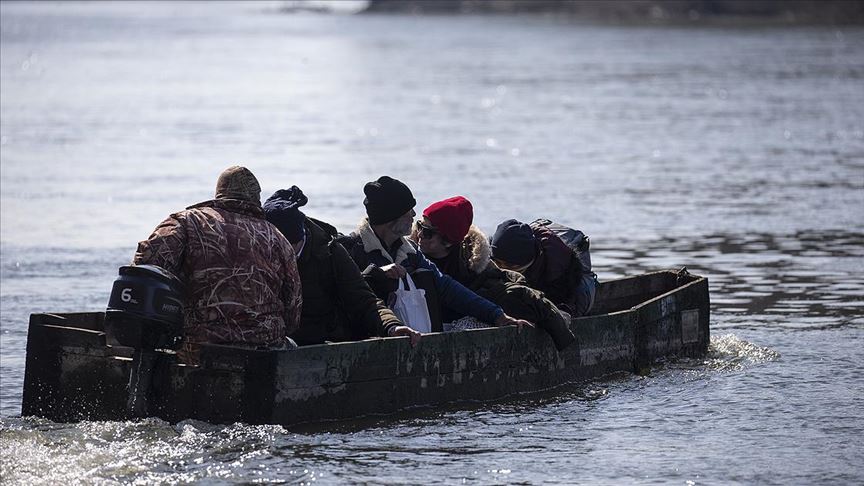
506 320
394 271
413 335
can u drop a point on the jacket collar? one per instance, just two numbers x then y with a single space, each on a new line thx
234 205
476 255
317 241
372 243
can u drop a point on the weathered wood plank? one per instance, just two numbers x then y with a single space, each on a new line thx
69 375
659 324
622 294
606 343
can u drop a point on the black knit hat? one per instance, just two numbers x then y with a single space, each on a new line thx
282 209
387 199
514 242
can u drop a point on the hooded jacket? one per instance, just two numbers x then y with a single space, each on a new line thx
338 305
471 264
369 254
242 284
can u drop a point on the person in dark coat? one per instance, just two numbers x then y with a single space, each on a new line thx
337 303
242 286
384 254
450 240
547 263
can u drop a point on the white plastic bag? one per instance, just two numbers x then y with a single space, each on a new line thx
409 305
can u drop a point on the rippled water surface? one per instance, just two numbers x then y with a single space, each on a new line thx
737 152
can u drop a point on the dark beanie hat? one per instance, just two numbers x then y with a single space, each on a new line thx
514 242
387 199
282 209
451 217
237 182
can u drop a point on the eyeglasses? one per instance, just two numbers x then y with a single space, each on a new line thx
426 231
512 266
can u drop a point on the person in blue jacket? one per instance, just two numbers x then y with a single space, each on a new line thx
381 250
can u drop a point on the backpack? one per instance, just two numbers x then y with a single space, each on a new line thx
578 243
575 239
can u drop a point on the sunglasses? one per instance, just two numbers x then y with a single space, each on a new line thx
426 231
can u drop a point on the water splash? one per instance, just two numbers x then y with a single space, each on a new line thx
731 353
151 451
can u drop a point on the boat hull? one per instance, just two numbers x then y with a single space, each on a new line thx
73 372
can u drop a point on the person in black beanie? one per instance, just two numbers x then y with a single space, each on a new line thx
380 248
546 262
387 199
514 245
338 305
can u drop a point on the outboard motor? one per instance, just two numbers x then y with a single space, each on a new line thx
145 312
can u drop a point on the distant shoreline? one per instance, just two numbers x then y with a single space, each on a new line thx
646 12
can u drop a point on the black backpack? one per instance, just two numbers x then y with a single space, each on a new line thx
578 243
575 239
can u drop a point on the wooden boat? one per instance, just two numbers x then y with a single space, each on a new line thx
74 372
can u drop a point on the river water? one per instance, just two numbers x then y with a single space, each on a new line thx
737 152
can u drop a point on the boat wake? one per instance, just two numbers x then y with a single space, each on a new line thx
150 450
726 353
731 353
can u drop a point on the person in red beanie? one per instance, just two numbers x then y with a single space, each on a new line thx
449 220
448 238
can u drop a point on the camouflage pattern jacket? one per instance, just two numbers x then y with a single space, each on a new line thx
242 284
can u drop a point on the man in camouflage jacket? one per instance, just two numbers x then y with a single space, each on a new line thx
242 285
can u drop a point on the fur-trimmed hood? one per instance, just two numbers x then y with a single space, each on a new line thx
475 251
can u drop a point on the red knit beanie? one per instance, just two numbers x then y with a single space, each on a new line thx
452 217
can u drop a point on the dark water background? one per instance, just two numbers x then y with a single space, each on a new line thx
738 152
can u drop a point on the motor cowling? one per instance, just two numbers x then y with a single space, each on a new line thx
145 309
